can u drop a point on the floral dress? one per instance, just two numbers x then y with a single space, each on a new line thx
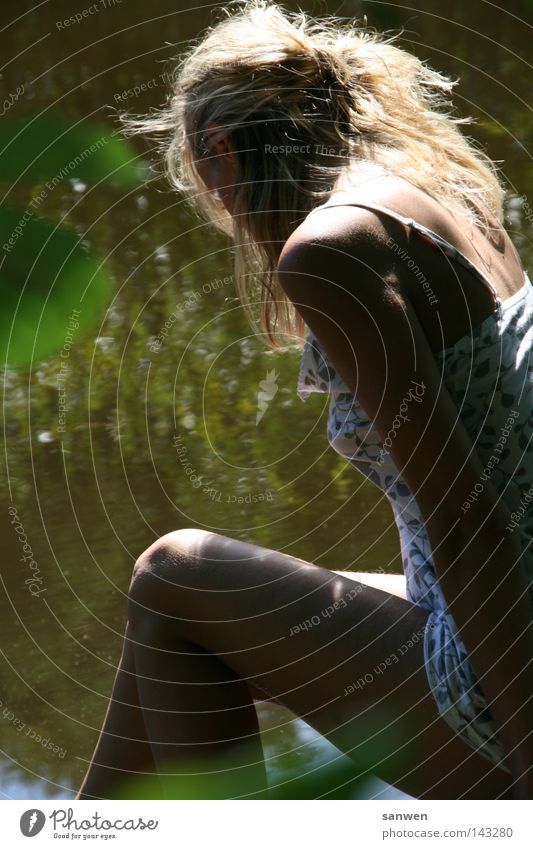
489 375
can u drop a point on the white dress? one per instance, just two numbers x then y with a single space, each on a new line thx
489 375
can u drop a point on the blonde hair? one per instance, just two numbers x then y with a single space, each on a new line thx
346 95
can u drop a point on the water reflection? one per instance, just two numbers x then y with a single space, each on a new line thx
169 383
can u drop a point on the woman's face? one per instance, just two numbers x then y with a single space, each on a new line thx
218 168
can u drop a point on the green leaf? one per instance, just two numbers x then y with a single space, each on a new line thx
52 292
51 149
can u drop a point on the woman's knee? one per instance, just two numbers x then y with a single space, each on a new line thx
162 568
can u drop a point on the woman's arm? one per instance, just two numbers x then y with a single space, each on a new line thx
348 294
478 563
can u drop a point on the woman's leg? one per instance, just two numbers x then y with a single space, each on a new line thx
122 749
387 581
200 719
123 752
326 646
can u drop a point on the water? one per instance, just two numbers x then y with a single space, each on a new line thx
91 498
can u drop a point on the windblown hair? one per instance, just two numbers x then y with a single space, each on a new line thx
275 79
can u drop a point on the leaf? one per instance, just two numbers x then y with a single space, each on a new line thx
52 149
337 781
45 275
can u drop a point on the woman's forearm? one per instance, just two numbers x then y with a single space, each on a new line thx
484 582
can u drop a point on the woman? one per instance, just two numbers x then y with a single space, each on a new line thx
370 226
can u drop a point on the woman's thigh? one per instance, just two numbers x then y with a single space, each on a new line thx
344 656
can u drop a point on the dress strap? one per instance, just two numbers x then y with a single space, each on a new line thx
449 249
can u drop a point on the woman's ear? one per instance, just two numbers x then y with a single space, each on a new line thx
217 141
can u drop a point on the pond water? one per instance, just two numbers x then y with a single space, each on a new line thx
95 489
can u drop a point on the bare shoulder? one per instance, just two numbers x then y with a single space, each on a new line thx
338 234
361 229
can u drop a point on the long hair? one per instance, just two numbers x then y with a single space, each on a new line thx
302 100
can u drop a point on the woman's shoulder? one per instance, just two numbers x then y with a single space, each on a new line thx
352 216
335 244
354 221
342 225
